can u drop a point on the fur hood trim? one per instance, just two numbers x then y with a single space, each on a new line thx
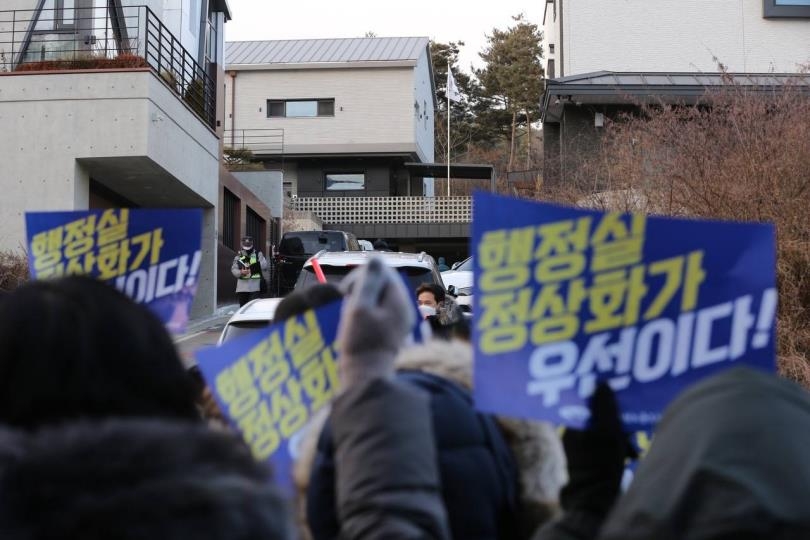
135 479
536 446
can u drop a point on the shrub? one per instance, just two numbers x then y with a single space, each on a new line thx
122 61
13 270
742 154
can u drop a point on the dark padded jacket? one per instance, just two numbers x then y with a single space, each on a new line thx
729 462
478 474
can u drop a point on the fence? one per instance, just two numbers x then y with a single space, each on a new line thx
387 209
105 38
258 141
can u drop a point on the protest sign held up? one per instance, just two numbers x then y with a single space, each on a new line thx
269 384
151 255
567 297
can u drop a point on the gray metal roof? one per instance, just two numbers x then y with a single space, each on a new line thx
307 51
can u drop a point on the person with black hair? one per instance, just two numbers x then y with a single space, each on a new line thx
250 270
301 300
75 347
432 295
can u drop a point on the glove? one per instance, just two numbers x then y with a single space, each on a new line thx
376 318
596 457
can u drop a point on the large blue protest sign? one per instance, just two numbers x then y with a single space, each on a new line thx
151 255
567 297
270 384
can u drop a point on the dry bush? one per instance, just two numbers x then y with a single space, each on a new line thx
740 154
121 61
13 270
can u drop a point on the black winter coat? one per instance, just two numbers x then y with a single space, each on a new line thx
477 470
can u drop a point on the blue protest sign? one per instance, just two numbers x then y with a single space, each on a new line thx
566 297
270 384
151 255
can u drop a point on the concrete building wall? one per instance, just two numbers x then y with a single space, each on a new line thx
374 108
58 128
267 185
691 35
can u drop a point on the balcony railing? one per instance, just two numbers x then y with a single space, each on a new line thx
105 38
387 209
258 141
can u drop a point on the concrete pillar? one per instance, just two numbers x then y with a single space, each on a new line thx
205 302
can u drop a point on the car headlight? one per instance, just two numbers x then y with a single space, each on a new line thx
464 291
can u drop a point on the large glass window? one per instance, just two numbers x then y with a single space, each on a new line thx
300 108
345 181
786 8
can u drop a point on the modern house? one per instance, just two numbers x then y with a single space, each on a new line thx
348 122
118 103
610 56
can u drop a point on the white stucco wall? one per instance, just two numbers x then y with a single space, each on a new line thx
658 35
374 108
424 96
51 120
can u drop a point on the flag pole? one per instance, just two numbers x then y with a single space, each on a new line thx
448 131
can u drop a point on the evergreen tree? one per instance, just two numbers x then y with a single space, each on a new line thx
512 81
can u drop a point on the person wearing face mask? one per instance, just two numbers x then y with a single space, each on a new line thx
433 301
249 268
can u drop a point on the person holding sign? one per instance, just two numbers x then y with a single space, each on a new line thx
387 481
249 268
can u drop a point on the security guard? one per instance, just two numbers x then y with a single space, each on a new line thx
249 268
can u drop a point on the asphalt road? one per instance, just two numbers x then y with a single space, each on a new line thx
198 339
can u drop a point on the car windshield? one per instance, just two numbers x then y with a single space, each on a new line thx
466 265
311 242
414 275
238 329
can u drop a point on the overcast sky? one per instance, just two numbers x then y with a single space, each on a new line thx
441 20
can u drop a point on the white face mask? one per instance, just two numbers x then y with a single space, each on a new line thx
427 311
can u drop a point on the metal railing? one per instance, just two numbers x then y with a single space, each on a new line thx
387 209
105 38
258 141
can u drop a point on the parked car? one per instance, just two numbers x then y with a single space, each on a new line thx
460 278
417 268
298 246
254 316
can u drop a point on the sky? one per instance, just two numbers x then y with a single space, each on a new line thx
441 20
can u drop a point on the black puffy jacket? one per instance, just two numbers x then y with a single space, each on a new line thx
478 472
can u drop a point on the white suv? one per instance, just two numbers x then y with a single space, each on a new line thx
416 268
460 276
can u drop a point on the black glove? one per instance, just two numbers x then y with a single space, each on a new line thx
596 457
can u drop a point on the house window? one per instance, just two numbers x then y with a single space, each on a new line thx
786 8
550 74
345 181
65 15
300 108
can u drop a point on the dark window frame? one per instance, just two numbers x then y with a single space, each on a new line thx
328 103
256 226
327 174
772 10
231 206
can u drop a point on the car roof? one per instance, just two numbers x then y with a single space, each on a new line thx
357 258
261 309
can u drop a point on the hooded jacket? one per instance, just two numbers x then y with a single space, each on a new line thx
133 480
729 461
499 479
